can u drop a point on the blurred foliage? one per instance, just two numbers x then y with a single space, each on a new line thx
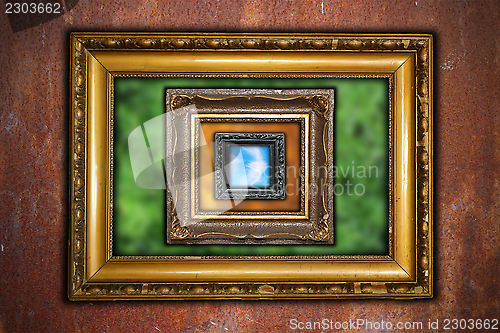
361 141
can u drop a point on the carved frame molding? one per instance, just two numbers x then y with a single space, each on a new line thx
276 141
95 58
311 108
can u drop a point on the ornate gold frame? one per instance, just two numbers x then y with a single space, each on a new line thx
95 274
312 109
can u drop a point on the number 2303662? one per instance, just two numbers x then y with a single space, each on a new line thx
32 8
484 324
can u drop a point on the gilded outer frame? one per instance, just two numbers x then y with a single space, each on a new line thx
187 109
95 274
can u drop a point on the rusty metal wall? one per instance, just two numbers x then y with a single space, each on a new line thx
34 153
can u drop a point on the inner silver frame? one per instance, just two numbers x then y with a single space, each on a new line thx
276 141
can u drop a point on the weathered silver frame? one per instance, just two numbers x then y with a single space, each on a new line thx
276 143
187 109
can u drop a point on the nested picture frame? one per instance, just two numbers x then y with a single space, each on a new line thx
225 190
95 273
310 222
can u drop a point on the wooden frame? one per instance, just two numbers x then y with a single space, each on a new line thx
95 274
312 223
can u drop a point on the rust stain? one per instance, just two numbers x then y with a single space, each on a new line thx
34 145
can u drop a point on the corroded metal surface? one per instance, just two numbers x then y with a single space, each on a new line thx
34 148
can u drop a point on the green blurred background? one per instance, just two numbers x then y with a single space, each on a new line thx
361 142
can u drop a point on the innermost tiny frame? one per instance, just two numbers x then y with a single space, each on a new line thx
249 166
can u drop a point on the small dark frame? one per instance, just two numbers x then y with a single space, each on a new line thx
276 141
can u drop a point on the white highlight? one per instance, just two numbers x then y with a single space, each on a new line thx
237 171
256 167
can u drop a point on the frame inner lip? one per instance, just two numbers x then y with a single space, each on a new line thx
303 118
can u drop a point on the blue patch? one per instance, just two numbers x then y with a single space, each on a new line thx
249 167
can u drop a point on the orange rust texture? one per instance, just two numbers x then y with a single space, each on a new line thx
34 153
